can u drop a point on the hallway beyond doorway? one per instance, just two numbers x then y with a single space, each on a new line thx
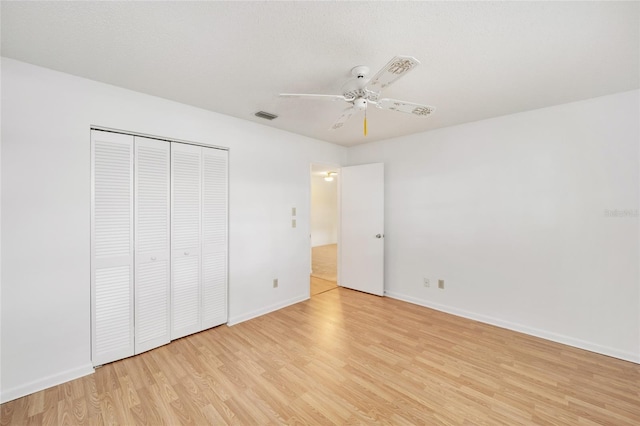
324 266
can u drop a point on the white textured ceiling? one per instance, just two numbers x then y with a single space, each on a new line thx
479 59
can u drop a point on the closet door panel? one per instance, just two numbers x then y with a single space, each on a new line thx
152 232
113 330
214 289
186 205
186 296
112 252
214 245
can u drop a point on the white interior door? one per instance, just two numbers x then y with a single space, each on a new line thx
362 228
152 267
112 323
186 206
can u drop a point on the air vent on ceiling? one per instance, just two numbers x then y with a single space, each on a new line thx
265 115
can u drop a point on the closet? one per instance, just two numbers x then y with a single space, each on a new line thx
158 242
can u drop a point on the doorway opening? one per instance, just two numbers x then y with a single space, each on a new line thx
324 228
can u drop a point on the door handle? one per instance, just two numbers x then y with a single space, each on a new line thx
153 258
379 235
186 253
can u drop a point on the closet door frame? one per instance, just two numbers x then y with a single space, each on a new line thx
121 135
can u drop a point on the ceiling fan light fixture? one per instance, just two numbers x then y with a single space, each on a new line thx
360 103
329 176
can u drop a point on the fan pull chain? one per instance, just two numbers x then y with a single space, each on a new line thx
365 122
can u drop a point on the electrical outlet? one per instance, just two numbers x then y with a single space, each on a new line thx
275 283
293 211
293 223
441 284
427 283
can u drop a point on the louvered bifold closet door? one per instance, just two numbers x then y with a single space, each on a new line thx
186 202
112 334
152 232
214 244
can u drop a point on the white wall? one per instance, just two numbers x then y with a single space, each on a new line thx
324 211
46 118
511 213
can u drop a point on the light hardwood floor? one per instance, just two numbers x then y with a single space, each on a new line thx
324 266
324 262
320 286
345 357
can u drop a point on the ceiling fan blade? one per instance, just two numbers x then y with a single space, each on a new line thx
313 96
396 68
402 106
346 115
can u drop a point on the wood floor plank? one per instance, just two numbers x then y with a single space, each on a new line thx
35 420
148 413
50 411
35 403
319 285
324 261
345 357
6 413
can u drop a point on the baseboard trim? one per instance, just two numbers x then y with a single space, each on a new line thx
44 383
554 337
267 309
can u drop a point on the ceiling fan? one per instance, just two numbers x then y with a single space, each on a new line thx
361 91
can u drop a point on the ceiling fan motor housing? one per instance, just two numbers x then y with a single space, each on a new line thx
356 88
361 71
